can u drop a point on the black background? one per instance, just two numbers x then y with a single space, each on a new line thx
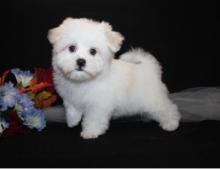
183 37
181 34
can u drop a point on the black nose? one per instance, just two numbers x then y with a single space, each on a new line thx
81 62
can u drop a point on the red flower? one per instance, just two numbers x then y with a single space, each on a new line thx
44 75
16 126
40 90
43 80
3 77
37 87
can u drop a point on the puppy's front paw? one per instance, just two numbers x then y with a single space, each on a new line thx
90 134
171 125
72 120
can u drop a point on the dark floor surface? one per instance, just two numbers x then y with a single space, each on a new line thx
126 144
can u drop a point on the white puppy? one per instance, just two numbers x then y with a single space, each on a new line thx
95 87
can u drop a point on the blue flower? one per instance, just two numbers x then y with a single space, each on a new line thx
8 96
34 119
31 117
23 104
22 77
3 125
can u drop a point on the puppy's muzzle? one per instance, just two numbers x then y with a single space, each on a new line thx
81 63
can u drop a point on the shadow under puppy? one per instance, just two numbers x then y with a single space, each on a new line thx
95 87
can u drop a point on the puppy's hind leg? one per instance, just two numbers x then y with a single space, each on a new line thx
165 112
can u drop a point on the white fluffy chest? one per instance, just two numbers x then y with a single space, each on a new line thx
81 96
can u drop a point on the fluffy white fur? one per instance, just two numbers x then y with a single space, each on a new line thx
106 88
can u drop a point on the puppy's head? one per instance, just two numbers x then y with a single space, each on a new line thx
83 48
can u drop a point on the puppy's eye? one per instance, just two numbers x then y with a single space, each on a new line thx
72 48
92 51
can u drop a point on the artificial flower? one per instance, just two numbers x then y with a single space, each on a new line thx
45 99
3 125
8 96
36 87
15 125
3 77
44 75
23 104
34 119
22 77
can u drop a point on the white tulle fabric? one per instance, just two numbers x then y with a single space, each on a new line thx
195 104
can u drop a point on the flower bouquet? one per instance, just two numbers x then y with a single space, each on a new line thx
22 103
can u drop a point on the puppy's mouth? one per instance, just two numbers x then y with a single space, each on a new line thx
76 71
85 71
79 70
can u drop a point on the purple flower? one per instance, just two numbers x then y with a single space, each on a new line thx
34 118
31 117
23 104
22 77
8 96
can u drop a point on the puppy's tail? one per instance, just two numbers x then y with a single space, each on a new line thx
139 56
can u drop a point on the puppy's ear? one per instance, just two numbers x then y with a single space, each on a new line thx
54 33
114 39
